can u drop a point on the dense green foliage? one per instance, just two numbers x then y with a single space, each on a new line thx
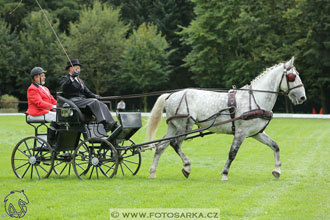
252 192
98 39
39 48
145 64
232 41
214 43
9 102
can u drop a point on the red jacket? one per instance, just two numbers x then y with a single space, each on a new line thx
40 101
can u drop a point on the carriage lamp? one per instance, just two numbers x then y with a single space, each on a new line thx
66 111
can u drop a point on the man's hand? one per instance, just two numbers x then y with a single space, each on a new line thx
75 73
98 97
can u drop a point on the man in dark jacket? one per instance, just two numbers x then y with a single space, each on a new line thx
73 88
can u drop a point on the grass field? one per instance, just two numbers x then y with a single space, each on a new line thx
302 192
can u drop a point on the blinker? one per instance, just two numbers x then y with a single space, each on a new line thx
291 77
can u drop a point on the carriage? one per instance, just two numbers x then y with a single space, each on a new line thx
75 142
243 112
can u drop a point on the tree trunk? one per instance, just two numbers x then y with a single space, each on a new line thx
145 103
288 105
323 99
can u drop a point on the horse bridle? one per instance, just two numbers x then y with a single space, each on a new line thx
290 77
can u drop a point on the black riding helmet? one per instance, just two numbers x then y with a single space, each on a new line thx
37 71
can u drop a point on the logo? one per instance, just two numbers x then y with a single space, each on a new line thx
15 204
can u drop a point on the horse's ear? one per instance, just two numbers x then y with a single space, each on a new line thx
289 63
292 60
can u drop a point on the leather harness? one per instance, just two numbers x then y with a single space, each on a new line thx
251 114
232 105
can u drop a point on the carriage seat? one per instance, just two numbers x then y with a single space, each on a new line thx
35 119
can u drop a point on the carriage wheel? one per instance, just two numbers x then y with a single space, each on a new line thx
33 157
63 162
130 159
93 157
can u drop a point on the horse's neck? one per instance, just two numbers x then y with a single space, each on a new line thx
269 82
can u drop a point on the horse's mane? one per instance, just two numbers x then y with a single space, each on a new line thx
264 73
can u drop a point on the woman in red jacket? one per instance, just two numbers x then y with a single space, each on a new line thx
41 103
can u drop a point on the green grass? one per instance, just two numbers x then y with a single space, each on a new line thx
302 192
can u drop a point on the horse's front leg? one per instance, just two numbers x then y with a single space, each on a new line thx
238 140
265 139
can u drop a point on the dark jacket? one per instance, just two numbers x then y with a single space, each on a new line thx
72 88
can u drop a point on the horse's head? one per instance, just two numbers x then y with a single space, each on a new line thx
291 83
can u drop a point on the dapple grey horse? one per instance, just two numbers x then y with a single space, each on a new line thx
192 106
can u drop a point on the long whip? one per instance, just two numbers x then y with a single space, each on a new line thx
50 25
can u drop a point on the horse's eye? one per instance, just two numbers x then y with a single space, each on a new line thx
291 77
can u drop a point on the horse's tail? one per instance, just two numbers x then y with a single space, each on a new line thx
156 116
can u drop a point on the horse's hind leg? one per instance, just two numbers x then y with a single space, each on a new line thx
176 144
238 140
265 139
159 150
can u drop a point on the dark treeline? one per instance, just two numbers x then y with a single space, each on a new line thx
142 46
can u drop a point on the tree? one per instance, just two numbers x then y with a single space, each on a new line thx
97 40
145 64
231 40
9 48
169 16
310 28
39 48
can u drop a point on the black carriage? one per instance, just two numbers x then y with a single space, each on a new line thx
75 142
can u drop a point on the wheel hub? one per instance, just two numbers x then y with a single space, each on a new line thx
95 161
32 160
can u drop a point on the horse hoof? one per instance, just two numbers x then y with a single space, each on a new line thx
185 173
276 174
152 176
224 178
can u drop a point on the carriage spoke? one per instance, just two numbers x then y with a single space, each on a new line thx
90 176
42 145
80 159
63 169
22 159
58 164
122 170
104 172
31 171
69 168
82 163
128 167
42 168
27 147
22 166
80 168
37 154
97 173
26 171
110 167
23 153
129 161
37 172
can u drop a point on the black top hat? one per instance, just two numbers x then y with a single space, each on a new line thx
75 62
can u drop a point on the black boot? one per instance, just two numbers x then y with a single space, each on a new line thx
110 126
113 126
